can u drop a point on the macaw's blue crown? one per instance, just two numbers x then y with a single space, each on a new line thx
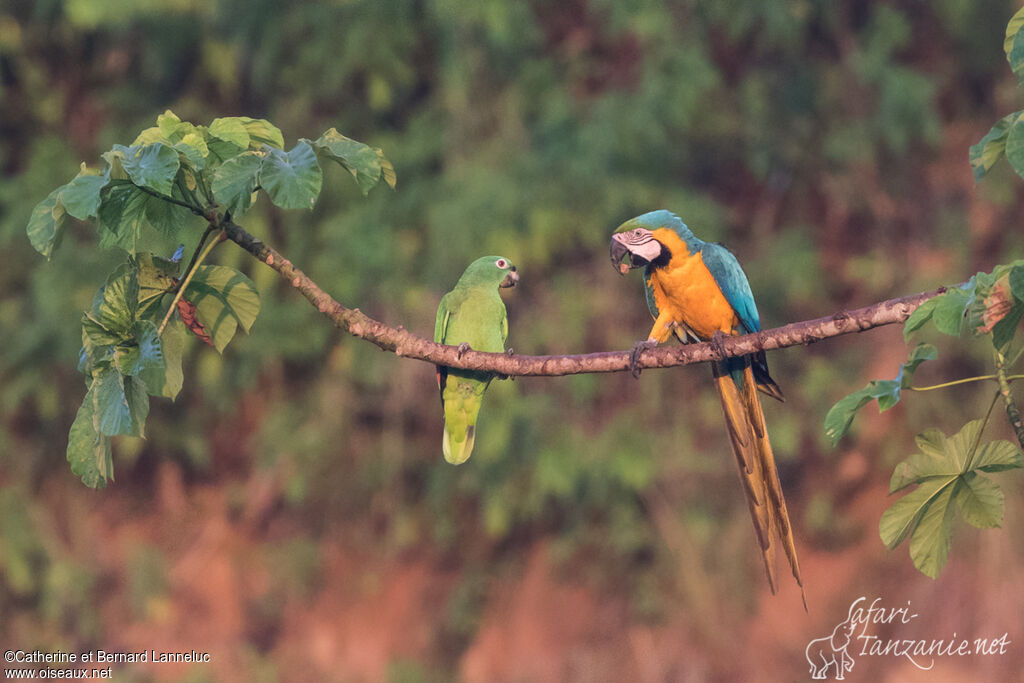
652 220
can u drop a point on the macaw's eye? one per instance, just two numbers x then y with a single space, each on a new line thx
638 232
501 263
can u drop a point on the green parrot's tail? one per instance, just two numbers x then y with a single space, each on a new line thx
458 452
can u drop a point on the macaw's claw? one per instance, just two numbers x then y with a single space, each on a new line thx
463 347
509 352
718 342
634 356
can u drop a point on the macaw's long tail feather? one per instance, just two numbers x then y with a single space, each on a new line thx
458 452
764 381
748 435
774 486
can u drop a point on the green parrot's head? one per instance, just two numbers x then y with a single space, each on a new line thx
636 239
490 270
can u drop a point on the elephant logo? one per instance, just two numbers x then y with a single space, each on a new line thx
830 651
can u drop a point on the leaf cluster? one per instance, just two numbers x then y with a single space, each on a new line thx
133 337
1006 138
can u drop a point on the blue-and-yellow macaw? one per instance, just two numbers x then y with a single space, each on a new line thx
697 290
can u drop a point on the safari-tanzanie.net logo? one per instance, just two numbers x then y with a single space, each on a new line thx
834 655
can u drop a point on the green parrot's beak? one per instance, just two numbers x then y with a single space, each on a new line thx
511 279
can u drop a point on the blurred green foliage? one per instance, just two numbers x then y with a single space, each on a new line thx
810 137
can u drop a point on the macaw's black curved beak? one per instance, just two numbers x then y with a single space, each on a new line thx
618 253
511 279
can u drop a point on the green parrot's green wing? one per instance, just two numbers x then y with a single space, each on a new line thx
441 322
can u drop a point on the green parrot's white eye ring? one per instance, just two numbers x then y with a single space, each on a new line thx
501 263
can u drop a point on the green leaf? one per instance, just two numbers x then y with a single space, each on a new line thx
93 356
171 127
921 466
980 501
949 310
46 224
1012 29
1004 330
901 518
1015 145
231 129
122 214
112 412
887 392
98 334
117 301
1016 281
81 197
930 540
292 179
997 456
142 352
945 470
138 404
166 381
235 180
918 318
262 132
153 166
1016 56
156 278
165 217
115 166
194 150
987 151
224 298
149 136
366 164
88 449
920 354
840 416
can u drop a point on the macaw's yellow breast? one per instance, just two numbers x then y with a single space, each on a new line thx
687 291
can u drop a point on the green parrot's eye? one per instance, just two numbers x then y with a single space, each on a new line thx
501 263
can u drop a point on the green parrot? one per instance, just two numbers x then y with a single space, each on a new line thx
471 316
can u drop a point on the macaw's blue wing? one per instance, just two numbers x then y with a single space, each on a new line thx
733 282
649 293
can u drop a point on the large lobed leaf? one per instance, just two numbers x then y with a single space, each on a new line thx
366 164
947 474
292 179
224 299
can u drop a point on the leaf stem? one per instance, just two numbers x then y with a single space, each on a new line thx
1012 412
965 380
977 440
191 207
188 278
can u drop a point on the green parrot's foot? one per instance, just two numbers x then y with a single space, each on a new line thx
718 343
463 347
509 352
634 356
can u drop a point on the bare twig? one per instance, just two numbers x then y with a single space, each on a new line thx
403 343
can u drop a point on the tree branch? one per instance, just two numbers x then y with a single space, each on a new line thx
403 343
